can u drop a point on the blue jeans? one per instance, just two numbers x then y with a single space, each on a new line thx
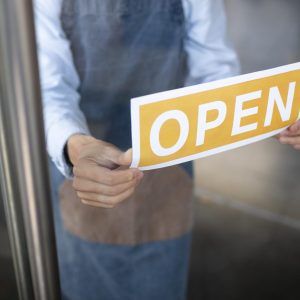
90 270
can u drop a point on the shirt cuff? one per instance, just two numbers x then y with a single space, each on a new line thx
56 139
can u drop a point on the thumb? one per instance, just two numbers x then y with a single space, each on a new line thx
112 156
125 158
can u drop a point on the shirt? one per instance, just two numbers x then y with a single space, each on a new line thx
209 57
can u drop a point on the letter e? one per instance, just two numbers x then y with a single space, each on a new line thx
240 113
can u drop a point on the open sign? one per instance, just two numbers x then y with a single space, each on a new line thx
181 125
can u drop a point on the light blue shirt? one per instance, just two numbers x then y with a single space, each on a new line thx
209 57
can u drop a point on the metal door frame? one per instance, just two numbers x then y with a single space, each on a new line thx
24 176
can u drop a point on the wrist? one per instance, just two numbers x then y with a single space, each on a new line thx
75 144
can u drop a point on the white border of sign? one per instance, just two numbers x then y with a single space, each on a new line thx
139 101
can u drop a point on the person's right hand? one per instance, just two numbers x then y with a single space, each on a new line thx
101 171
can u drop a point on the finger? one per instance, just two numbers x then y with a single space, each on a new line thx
96 204
123 196
289 133
295 128
110 200
297 147
289 140
105 176
125 158
118 157
283 133
84 185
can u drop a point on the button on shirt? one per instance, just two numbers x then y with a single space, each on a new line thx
209 57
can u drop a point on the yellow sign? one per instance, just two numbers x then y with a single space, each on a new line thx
181 125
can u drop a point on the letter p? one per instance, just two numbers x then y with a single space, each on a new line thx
203 125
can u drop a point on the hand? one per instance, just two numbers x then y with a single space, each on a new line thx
291 136
101 174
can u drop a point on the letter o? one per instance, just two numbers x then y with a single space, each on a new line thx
183 121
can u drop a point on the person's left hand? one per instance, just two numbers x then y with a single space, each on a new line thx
291 136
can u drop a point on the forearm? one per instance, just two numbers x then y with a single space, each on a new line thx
59 83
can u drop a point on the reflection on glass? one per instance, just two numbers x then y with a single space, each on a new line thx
122 234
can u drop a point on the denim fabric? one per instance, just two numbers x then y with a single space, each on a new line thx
122 49
96 271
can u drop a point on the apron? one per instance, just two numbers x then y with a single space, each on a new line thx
140 249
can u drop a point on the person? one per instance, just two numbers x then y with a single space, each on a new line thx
291 136
94 56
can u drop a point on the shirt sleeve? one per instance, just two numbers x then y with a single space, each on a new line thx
209 54
59 82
